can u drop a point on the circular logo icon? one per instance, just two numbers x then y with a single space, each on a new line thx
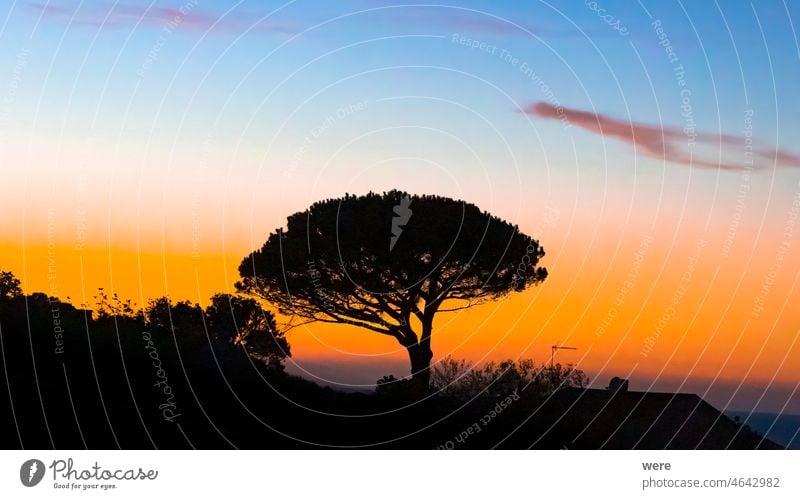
31 472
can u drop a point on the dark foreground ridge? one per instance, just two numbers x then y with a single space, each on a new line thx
156 379
596 419
236 404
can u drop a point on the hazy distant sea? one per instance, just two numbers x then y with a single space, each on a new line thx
784 431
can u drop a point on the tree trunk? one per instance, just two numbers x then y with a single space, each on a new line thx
420 355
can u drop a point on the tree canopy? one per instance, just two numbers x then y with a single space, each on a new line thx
9 285
243 322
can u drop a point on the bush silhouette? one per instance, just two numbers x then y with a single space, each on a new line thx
459 380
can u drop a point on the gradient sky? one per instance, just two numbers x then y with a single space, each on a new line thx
147 147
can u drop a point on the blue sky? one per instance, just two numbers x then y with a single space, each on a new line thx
587 63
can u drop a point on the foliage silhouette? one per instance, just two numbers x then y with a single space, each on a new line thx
459 380
389 263
243 322
109 307
9 285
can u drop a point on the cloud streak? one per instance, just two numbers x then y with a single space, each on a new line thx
187 17
671 144
477 22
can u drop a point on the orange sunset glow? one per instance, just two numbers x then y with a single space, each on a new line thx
655 304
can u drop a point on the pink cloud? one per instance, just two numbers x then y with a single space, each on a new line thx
663 142
188 17
473 21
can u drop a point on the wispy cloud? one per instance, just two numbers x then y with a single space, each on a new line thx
476 21
472 22
189 16
186 17
672 144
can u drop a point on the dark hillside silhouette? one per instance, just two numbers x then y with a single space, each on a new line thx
593 419
177 376
119 377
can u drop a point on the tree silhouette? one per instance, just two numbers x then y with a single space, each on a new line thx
388 263
244 323
9 285
109 307
183 318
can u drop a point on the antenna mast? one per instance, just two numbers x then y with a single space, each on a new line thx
553 350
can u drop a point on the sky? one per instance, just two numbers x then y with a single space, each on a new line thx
147 147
